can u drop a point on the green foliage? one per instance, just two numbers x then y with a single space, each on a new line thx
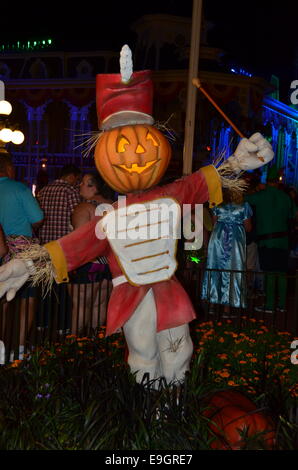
81 396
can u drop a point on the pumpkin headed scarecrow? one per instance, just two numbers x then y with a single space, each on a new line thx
132 155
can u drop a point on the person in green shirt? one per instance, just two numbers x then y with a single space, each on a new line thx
274 210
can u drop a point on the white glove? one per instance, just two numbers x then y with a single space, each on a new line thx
13 275
251 154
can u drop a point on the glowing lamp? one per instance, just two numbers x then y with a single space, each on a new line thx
5 107
17 137
6 134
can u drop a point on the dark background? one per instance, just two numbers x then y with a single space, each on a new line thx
259 35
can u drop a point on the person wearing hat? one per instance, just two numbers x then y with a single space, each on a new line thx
273 211
132 155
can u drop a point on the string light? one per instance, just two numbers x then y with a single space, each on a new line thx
34 44
240 71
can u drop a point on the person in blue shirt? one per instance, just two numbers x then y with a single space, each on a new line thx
20 213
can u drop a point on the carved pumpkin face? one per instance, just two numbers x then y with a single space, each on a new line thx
133 157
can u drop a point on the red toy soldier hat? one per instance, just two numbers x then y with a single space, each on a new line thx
121 102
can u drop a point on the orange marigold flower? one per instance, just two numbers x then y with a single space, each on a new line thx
242 362
243 380
16 363
237 353
221 340
254 359
232 383
225 374
222 356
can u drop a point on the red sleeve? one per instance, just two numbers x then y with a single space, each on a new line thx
191 189
199 187
82 245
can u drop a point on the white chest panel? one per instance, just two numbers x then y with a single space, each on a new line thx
144 238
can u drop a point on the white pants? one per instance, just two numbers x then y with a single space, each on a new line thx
164 354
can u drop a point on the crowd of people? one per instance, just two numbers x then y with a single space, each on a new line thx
56 209
256 231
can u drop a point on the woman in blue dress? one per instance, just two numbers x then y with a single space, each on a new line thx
227 251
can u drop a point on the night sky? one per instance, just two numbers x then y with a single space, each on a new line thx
260 36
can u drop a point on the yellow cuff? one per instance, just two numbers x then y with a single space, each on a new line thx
214 185
59 262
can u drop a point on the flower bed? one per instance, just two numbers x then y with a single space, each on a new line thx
252 357
81 394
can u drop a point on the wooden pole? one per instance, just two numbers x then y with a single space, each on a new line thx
197 83
192 90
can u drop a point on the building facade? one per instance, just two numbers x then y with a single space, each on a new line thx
53 99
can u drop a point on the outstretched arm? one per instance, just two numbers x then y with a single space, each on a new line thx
75 249
52 262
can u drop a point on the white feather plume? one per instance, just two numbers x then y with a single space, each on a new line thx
126 67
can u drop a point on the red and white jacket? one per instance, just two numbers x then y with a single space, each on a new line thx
173 305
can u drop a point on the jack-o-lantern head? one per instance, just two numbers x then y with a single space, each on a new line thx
130 154
132 157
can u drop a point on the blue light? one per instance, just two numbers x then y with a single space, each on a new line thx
241 72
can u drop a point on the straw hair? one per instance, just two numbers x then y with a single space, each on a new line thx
89 142
230 180
44 273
